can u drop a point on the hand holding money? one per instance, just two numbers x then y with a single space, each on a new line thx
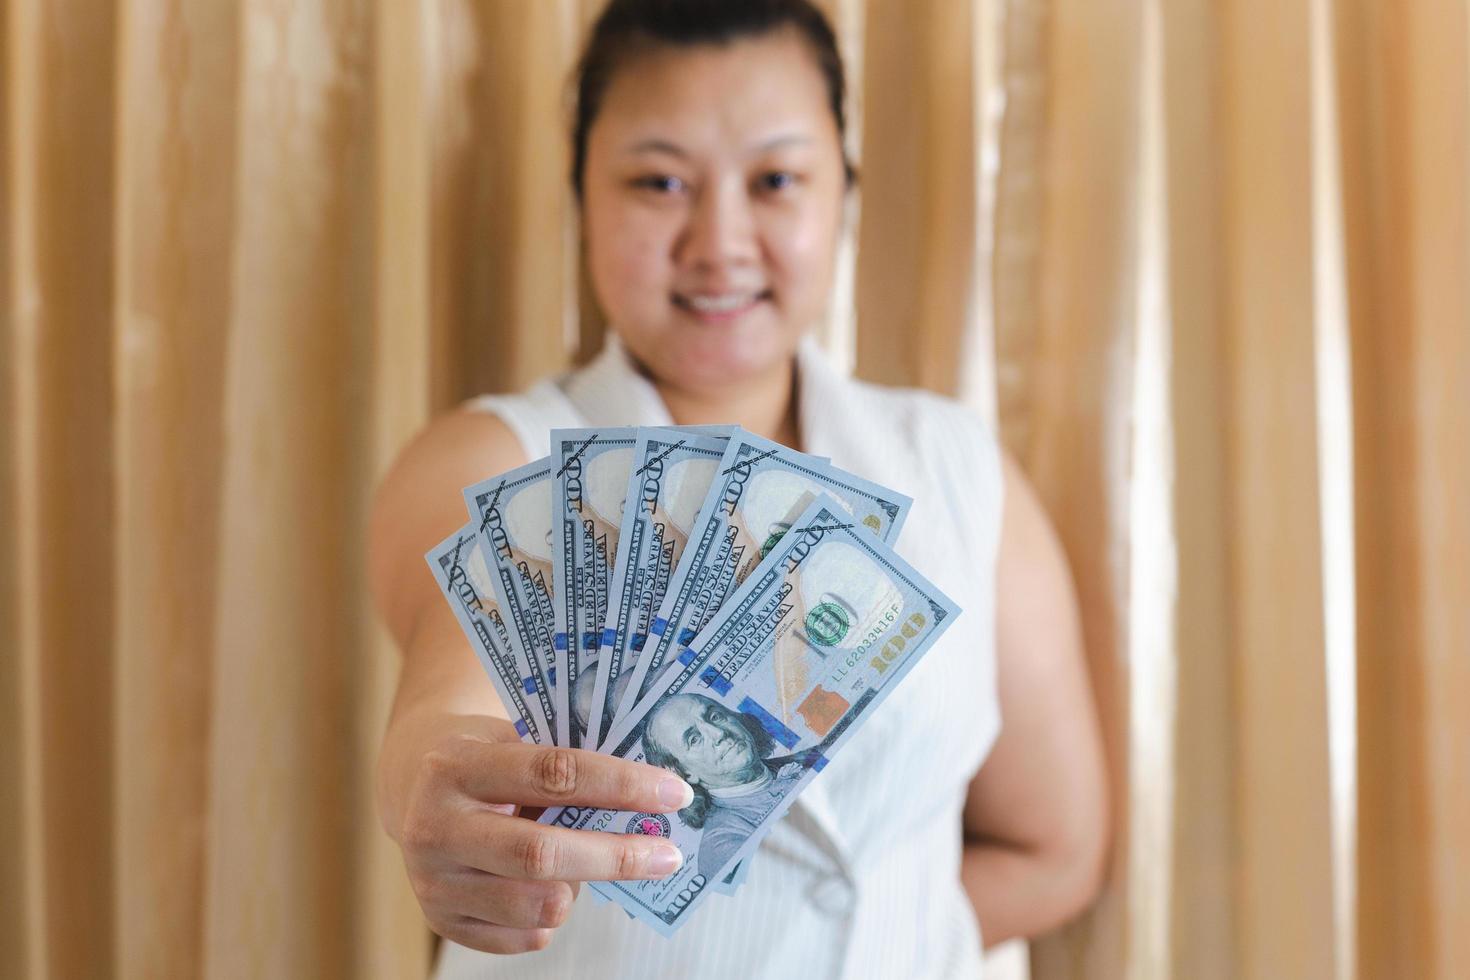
490 878
731 617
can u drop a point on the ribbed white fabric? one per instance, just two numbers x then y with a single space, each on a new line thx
861 878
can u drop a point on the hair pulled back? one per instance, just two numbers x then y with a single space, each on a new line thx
630 28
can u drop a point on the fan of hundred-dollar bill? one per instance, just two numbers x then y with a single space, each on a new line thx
640 585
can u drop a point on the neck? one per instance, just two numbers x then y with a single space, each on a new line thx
765 405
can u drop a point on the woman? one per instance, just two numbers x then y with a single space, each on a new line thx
711 176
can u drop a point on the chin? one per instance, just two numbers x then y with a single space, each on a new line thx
716 359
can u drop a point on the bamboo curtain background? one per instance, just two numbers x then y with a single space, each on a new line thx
1208 261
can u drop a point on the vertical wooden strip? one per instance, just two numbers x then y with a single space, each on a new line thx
1359 72
890 236
591 326
393 940
975 380
451 45
1436 60
289 633
476 208
1019 198
839 332
1081 386
554 100
501 282
543 320
1441 113
947 311
403 154
1392 907
1202 903
1282 786
60 294
1408 74
22 878
916 244
1152 565
175 213
1335 479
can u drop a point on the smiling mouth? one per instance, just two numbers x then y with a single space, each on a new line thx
720 307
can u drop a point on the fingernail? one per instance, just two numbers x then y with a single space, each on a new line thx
675 793
664 860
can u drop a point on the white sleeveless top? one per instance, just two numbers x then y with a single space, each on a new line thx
861 878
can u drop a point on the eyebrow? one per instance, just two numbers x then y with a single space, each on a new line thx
673 149
791 139
657 146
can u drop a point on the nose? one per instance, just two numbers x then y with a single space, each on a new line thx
720 234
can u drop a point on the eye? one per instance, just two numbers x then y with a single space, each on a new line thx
659 184
777 180
691 738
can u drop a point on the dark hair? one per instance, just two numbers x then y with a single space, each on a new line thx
656 755
628 28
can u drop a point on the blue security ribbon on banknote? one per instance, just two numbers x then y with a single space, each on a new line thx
759 488
590 481
667 482
512 515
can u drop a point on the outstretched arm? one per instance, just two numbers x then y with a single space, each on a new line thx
1036 819
453 776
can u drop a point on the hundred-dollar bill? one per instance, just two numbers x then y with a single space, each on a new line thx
459 567
669 477
718 431
730 884
592 467
759 488
790 667
512 515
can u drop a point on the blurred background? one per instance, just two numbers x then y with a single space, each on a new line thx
1206 262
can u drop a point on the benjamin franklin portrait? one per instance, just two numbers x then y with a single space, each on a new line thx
726 756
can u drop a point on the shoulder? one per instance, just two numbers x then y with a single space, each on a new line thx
464 439
918 407
959 449
942 449
419 503
934 426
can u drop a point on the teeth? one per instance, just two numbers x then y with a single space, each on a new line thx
720 304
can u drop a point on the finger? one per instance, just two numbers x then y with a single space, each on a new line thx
516 848
538 775
501 901
491 938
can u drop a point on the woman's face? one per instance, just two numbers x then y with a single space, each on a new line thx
712 203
